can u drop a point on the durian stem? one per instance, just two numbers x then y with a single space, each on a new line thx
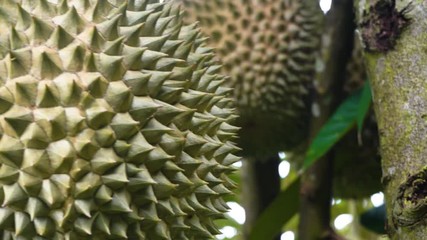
316 185
260 186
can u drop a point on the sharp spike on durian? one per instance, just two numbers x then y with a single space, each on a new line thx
13 194
156 159
146 196
39 31
174 202
84 206
118 204
141 180
69 89
182 180
51 194
121 148
35 137
93 39
17 40
154 130
36 162
104 160
115 47
16 121
131 34
109 28
74 121
94 83
72 57
139 149
84 144
132 61
185 206
23 225
7 218
164 207
154 43
171 167
24 90
110 66
148 61
103 195
102 223
36 209
87 186
163 188
61 155
11 151
43 7
172 144
118 9
143 109
23 18
210 178
6 99
43 227
119 96
89 64
59 38
84 225
99 115
194 222
205 190
30 183
105 137
52 121
71 21
8 175
161 231
124 126
117 178
47 95
47 64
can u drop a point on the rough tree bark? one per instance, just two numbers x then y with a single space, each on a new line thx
395 38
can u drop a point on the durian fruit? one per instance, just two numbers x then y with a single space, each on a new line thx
268 49
114 123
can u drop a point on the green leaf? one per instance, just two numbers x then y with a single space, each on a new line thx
365 103
335 128
281 210
286 204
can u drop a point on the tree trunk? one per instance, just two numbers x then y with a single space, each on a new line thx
395 39
316 185
261 184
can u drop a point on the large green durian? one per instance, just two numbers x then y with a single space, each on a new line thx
268 49
114 123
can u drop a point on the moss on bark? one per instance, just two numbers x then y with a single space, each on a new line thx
399 84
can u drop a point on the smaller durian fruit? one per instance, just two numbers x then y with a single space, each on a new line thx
268 49
114 123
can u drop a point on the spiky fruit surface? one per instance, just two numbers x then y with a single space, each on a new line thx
113 122
267 47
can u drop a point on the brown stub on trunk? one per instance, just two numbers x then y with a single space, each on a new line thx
410 207
382 24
